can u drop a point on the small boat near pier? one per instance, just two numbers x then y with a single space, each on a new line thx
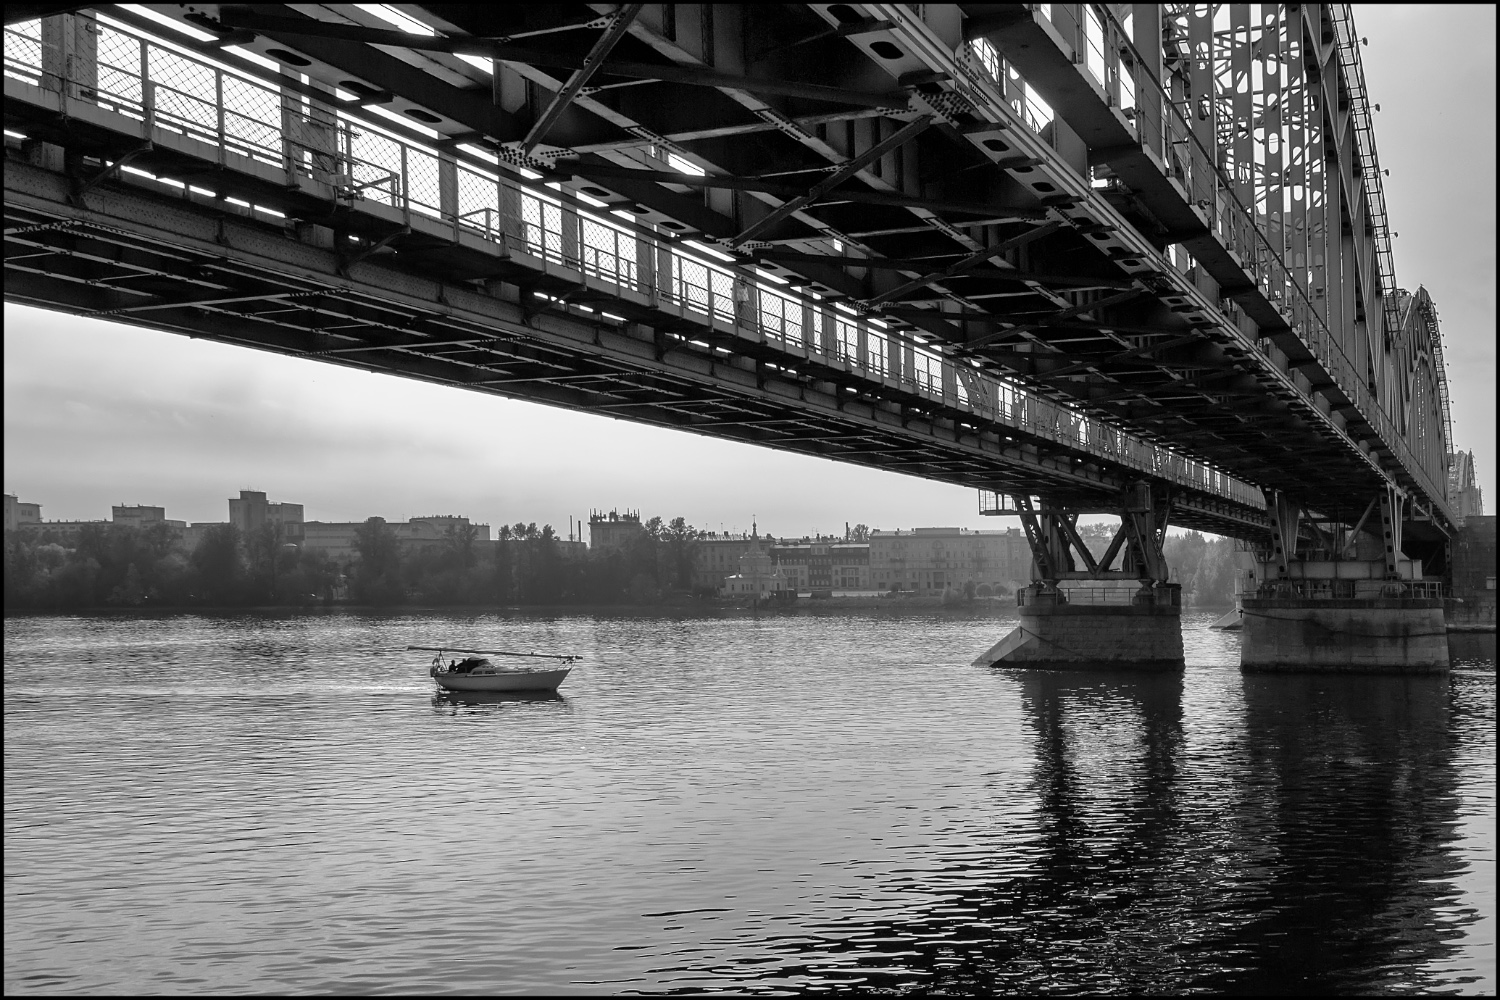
476 672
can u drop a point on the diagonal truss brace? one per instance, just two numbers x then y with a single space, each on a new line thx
1057 548
845 171
618 28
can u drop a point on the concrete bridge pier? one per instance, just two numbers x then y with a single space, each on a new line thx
1089 617
1338 603
1145 634
1293 634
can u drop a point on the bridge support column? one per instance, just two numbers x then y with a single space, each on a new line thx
1095 619
70 66
1337 602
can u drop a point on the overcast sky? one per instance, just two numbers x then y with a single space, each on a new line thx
98 414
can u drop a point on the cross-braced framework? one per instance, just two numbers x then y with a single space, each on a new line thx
1091 244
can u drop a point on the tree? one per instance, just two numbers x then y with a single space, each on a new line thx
129 592
1097 537
504 579
460 539
218 565
546 581
681 539
859 533
265 555
377 577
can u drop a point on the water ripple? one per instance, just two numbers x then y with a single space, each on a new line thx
797 803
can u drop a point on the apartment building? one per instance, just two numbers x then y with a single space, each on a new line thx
931 559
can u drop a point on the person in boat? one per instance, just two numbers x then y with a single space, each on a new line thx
452 664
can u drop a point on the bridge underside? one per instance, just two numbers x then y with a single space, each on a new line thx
851 231
234 281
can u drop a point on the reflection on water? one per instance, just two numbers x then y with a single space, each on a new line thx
451 701
796 802
1471 649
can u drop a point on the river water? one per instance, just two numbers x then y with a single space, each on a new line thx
801 802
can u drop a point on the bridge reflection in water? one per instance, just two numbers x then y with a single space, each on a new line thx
1277 834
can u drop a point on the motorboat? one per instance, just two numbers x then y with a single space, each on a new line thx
477 672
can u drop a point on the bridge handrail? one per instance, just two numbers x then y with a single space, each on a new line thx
151 81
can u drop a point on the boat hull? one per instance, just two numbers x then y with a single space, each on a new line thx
510 680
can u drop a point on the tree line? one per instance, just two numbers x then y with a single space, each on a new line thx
108 565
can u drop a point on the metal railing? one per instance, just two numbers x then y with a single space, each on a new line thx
1169 596
243 122
1343 590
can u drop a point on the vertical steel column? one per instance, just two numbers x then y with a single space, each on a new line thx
1067 18
1144 521
1285 516
1392 503
1146 35
1299 156
1242 110
1203 110
1273 143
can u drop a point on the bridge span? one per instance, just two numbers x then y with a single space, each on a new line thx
1082 257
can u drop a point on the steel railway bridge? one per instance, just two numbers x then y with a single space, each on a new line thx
1083 257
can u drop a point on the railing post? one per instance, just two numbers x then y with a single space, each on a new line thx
809 325
512 218
666 276
219 111
405 185
448 191
148 107
291 103
59 66
828 332
645 269
747 309
571 245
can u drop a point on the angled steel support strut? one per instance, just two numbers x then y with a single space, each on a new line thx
845 171
581 76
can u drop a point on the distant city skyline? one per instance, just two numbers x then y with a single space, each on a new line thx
98 414
578 526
